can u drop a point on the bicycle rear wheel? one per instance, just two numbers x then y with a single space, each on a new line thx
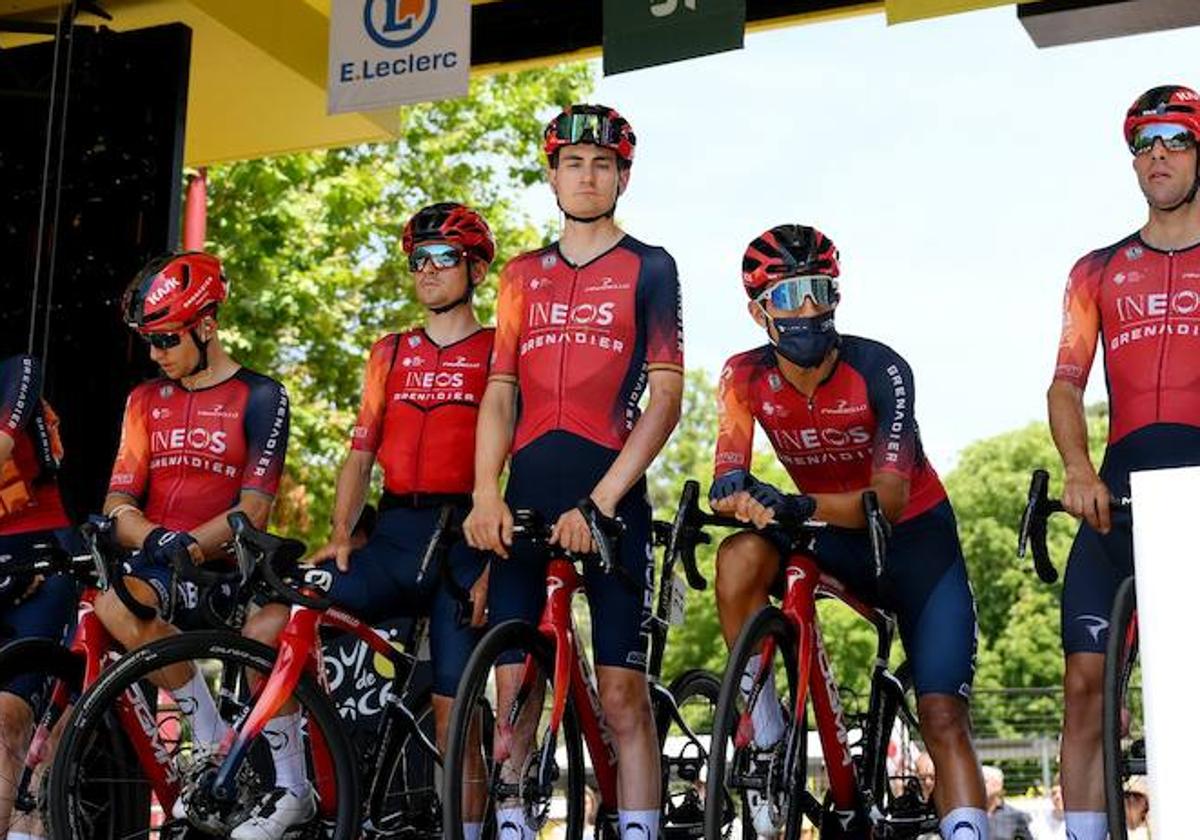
527 769
769 784
1124 741
685 727
175 761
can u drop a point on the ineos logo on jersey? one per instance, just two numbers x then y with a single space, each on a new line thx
195 439
562 315
811 438
1132 307
433 379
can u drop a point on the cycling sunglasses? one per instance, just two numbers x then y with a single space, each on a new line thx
587 128
1175 138
162 341
789 294
439 255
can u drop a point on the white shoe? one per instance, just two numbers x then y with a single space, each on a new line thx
278 811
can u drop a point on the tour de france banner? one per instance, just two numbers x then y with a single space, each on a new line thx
384 53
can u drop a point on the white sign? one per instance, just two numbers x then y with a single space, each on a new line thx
397 52
1164 554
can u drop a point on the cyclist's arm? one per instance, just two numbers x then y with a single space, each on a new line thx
494 435
1084 494
735 435
846 509
645 441
130 477
354 480
20 392
132 525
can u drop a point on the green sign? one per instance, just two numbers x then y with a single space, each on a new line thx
642 33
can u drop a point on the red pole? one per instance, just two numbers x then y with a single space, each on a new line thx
195 211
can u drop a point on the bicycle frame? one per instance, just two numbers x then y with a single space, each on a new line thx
93 645
805 583
299 653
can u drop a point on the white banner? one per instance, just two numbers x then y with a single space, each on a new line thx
1168 576
396 52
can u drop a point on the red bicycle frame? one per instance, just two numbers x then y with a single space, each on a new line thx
573 676
805 582
299 653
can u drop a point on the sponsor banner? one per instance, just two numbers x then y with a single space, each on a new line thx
643 33
384 53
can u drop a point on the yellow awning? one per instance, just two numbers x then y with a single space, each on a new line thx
903 11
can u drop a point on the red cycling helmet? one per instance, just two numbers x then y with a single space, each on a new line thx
451 222
1169 103
787 251
598 125
174 291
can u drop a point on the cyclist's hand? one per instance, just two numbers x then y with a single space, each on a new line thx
571 532
337 549
786 508
161 544
489 525
479 590
1085 495
722 495
728 505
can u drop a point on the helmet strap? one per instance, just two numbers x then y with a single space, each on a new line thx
202 346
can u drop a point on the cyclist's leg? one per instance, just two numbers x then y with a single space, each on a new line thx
927 584
46 613
1091 583
450 645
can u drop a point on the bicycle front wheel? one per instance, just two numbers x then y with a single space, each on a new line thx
1124 742
530 769
768 782
168 760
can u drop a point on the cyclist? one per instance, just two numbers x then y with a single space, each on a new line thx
420 401
207 438
1139 297
583 325
838 411
31 512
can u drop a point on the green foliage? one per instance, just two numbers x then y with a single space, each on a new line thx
311 243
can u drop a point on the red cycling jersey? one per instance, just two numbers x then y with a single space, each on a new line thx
23 418
186 456
859 421
420 403
579 341
1146 305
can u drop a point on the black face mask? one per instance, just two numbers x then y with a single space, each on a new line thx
806 341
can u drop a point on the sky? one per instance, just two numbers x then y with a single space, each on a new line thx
960 170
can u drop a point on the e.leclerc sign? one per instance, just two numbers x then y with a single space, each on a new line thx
396 52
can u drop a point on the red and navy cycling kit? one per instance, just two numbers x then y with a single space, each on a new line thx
187 455
1142 306
31 513
860 421
579 342
419 408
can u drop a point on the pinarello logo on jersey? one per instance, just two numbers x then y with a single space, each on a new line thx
395 24
462 362
607 284
195 439
844 407
218 411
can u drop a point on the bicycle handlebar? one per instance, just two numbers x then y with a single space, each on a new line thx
605 531
1035 518
258 551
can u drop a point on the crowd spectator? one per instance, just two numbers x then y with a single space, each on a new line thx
1048 822
1004 821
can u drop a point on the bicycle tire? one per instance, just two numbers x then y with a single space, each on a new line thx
55 664
769 622
238 654
682 793
1118 667
510 636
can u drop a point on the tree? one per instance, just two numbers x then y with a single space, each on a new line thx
311 244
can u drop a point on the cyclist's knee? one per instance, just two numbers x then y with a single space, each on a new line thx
945 722
745 565
1083 682
266 624
625 699
16 720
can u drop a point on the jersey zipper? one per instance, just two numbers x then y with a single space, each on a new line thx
562 357
437 366
178 483
1164 339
